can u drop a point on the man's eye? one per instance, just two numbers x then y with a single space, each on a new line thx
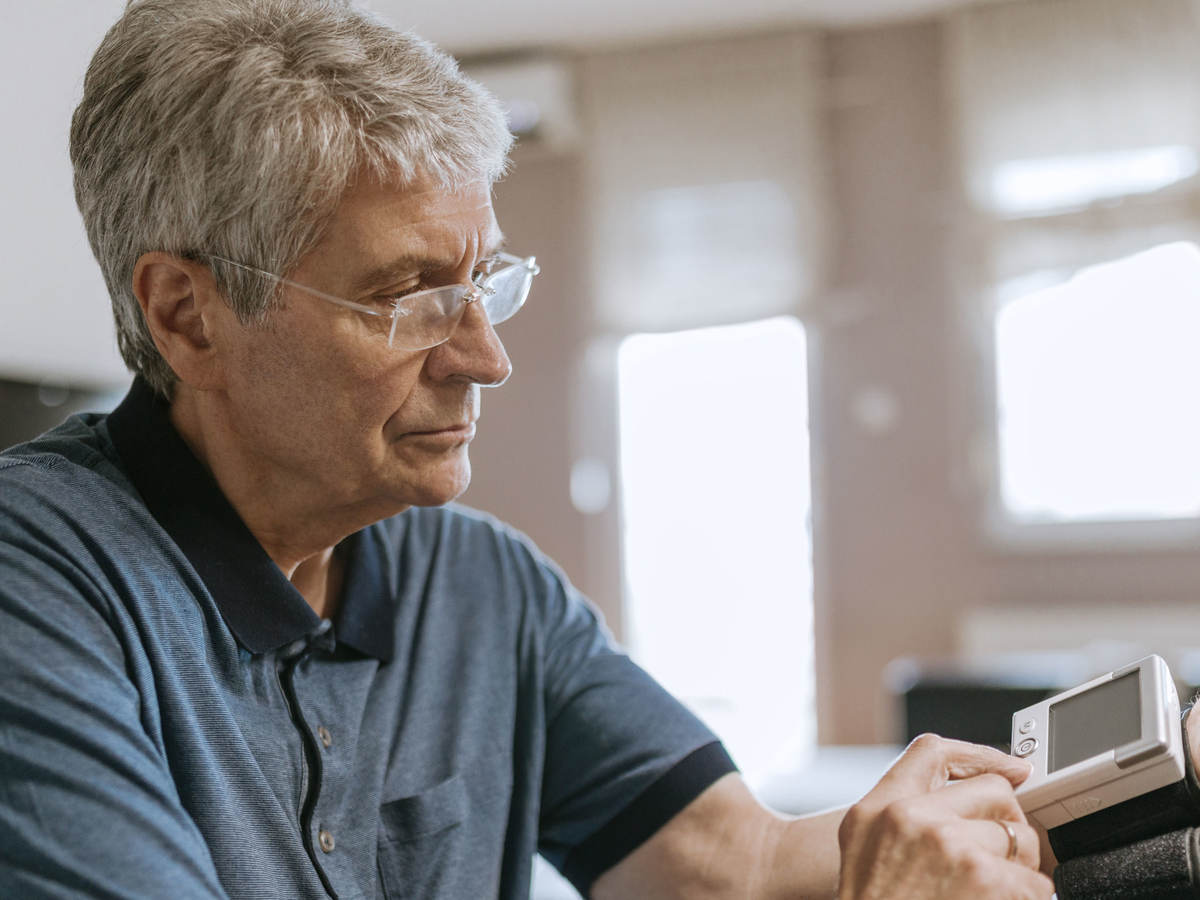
394 296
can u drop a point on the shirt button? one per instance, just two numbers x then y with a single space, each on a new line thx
325 736
326 840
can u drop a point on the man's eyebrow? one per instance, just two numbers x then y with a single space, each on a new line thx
407 265
390 271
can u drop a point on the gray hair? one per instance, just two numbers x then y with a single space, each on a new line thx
234 127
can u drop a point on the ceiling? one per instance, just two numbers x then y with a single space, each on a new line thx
469 27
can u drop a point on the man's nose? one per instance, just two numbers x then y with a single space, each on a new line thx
474 351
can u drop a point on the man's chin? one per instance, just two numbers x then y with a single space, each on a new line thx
439 488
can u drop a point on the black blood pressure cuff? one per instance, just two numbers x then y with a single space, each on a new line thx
1167 809
1165 867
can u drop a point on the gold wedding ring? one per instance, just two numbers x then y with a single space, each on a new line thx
1012 839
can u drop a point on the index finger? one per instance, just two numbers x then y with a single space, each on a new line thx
929 762
979 797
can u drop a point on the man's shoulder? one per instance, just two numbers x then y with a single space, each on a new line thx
463 531
70 470
81 440
72 526
474 554
451 515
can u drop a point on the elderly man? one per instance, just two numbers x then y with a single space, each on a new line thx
246 651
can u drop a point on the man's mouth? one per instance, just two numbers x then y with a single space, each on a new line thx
456 430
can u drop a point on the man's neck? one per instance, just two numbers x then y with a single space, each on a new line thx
295 531
319 581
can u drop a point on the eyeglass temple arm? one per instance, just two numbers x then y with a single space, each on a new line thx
279 279
527 261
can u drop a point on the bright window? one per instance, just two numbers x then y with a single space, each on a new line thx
1039 186
1097 381
716 499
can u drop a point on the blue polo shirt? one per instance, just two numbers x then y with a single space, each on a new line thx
176 721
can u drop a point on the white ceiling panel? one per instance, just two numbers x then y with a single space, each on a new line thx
480 26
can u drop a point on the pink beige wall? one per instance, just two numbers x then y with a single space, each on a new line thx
900 553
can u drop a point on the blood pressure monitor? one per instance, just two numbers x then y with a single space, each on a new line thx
1112 744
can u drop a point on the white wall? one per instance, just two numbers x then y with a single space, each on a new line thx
55 322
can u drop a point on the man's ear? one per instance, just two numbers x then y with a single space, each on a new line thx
181 305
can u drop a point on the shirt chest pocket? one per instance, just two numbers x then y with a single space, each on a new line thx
421 846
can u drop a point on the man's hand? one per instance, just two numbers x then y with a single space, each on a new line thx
934 826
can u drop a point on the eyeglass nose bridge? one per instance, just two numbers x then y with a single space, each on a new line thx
471 295
477 292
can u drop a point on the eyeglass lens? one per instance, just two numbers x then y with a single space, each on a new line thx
428 319
432 317
511 287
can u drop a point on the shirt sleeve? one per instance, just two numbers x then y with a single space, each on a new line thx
622 755
88 807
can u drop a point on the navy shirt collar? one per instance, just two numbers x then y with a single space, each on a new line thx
260 606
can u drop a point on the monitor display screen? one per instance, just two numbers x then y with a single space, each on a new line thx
1095 721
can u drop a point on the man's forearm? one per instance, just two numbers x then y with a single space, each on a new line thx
726 845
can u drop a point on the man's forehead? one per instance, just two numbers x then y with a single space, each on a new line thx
416 203
386 222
